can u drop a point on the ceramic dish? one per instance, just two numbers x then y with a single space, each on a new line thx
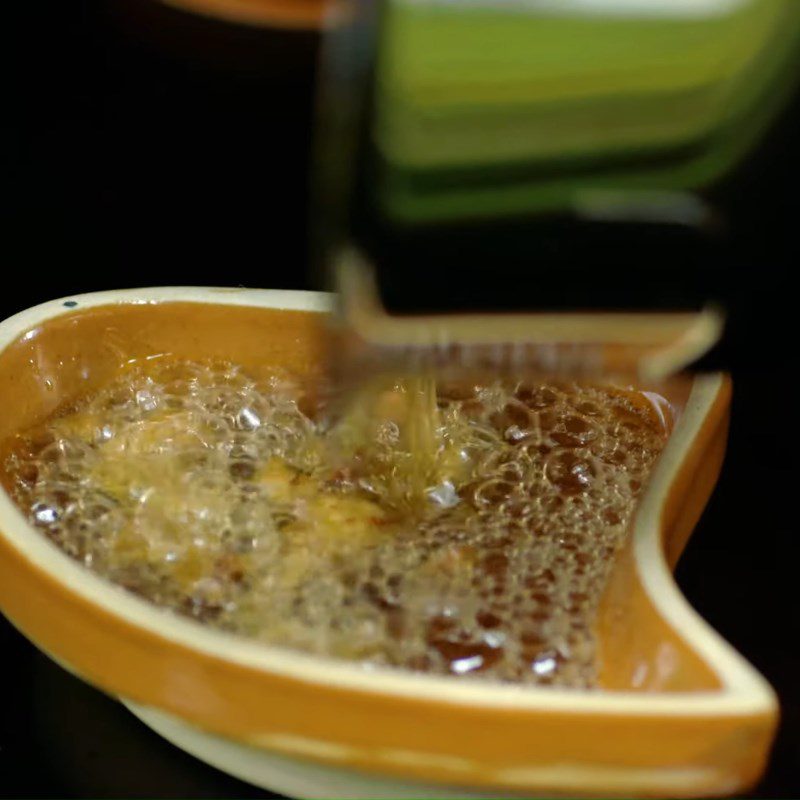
680 713
302 14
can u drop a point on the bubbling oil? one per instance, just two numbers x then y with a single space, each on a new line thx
476 545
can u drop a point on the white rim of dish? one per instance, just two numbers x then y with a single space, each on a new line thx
743 690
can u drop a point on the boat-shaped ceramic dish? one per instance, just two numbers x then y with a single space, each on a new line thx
678 714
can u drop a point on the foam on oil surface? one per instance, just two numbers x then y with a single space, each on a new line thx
214 494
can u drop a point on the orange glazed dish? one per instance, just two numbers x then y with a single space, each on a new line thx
288 14
184 525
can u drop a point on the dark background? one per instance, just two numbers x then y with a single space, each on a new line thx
149 147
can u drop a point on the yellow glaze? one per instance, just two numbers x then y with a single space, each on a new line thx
681 714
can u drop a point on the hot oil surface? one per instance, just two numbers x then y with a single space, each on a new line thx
241 504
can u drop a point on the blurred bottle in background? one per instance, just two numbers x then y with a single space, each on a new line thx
527 155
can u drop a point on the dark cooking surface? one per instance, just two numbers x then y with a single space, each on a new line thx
149 148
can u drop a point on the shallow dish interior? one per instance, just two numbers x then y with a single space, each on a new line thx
83 350
659 661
